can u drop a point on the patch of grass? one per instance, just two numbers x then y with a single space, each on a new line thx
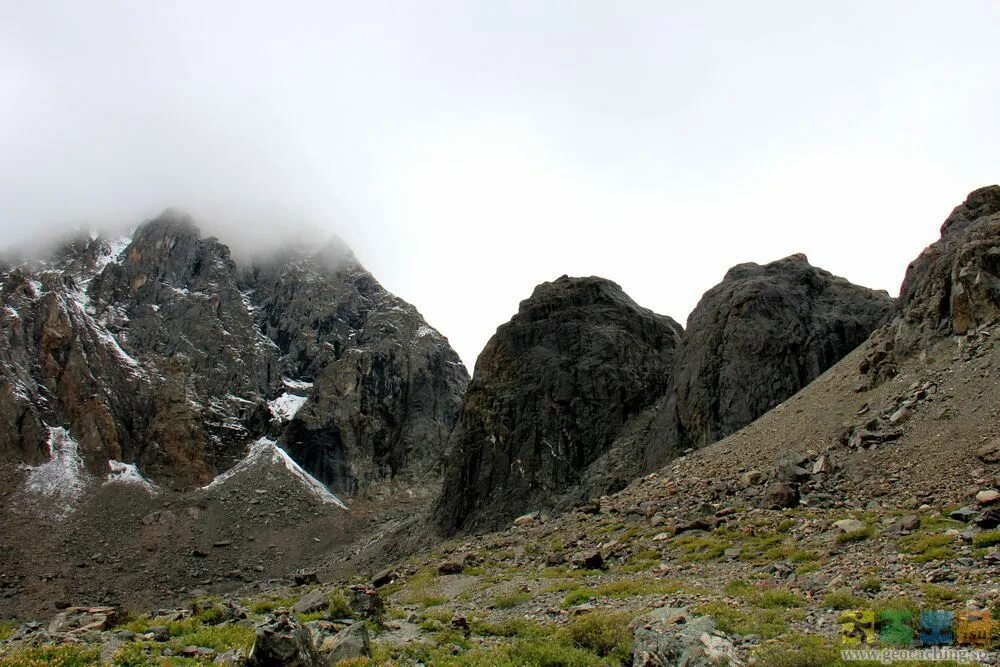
871 584
696 548
625 588
578 596
134 654
641 561
855 535
511 600
339 606
928 547
800 651
778 598
7 628
940 595
51 656
418 590
739 588
515 627
768 624
218 637
267 605
843 599
987 538
560 586
606 633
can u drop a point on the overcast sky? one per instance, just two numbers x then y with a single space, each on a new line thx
468 151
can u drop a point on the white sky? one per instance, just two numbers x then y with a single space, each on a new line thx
468 151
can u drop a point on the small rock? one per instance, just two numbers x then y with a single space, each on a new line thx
314 600
849 525
588 560
280 640
450 567
987 496
526 519
305 577
384 578
780 495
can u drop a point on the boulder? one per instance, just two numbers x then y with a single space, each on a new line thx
990 452
351 642
281 641
588 560
451 567
384 578
365 601
76 620
673 636
313 601
780 495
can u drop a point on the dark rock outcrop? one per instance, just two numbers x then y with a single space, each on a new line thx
551 392
953 287
759 336
159 350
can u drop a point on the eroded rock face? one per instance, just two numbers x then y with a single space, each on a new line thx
159 350
552 389
953 287
759 336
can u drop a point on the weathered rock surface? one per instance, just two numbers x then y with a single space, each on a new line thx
280 640
761 335
952 288
552 390
673 636
158 351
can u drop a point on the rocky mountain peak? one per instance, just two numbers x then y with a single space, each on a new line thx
552 389
158 350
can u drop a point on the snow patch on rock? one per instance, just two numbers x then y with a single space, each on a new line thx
128 473
267 451
62 479
286 406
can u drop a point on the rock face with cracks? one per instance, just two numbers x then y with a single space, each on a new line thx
159 351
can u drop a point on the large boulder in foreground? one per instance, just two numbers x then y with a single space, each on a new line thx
550 393
759 336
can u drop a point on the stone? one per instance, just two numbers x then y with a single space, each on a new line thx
673 636
989 518
990 452
76 620
900 415
351 642
365 601
909 522
305 577
281 640
526 519
849 525
987 496
964 514
588 560
313 601
384 578
780 495
822 465
751 478
450 567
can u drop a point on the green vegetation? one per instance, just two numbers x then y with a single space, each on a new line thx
928 547
766 623
51 656
987 538
871 584
510 600
623 588
843 599
939 595
764 598
418 590
7 628
855 535
602 632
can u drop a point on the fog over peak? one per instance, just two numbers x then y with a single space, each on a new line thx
467 153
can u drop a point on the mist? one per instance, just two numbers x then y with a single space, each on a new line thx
466 153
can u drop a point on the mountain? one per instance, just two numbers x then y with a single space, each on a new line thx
583 390
551 391
159 351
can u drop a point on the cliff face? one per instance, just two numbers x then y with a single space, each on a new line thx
551 391
759 336
159 350
583 390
